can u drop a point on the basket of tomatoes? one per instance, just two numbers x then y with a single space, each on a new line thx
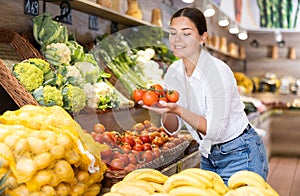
152 95
143 146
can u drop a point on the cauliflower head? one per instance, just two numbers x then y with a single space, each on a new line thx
90 72
74 76
48 96
100 96
74 98
29 75
57 54
77 51
44 66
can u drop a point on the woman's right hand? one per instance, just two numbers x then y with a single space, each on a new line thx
161 107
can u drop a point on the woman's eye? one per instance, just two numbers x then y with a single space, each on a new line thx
186 34
172 33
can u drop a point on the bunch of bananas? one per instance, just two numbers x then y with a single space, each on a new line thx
143 181
249 183
190 182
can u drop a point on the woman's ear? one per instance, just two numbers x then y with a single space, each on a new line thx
203 38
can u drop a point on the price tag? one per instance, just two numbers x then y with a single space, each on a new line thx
93 23
67 19
31 7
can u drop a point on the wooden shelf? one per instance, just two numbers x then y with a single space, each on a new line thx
95 9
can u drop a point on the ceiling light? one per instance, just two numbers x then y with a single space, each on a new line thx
243 35
223 22
188 1
209 11
233 29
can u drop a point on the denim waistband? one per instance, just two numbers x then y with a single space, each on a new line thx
245 131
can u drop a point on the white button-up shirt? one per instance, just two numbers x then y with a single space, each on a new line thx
211 92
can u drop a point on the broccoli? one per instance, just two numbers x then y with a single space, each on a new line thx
44 66
90 72
74 98
48 96
29 75
57 54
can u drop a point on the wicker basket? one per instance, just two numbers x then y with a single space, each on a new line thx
14 88
13 49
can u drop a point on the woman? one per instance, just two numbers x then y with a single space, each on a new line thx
209 106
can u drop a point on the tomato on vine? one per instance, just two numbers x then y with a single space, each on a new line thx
137 94
158 89
150 98
172 96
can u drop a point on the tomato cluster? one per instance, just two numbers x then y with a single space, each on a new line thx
132 148
154 94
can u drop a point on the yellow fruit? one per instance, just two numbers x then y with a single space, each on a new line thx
189 191
146 174
244 177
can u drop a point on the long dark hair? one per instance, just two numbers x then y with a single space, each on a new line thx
195 15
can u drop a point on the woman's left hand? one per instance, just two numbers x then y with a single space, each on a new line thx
161 107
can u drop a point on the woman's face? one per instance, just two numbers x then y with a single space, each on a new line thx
184 37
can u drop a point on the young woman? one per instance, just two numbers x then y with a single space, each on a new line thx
209 106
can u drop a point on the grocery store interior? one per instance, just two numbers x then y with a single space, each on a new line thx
263 53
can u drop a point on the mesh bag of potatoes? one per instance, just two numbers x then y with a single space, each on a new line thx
45 152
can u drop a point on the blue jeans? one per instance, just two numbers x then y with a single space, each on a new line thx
246 152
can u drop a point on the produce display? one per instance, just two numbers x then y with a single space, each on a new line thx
43 151
68 76
190 182
244 83
144 145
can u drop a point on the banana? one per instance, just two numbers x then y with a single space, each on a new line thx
270 189
218 183
113 194
159 188
137 183
252 190
189 191
160 194
147 174
244 177
133 191
199 171
182 179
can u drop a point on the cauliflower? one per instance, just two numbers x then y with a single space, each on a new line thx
74 98
74 76
77 52
100 96
89 71
48 96
44 66
58 54
29 75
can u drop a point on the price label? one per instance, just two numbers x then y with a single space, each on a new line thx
31 7
93 23
67 19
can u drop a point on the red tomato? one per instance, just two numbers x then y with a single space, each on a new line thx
106 153
147 146
137 94
126 148
145 138
150 98
132 159
156 152
99 128
147 156
130 167
124 158
163 99
172 96
138 147
138 141
158 141
128 139
117 164
158 89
